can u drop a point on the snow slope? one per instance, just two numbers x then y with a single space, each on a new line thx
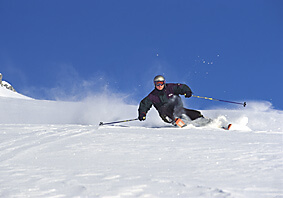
4 92
56 149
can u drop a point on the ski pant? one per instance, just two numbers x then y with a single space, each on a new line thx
174 109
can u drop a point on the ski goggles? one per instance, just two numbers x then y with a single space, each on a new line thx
159 83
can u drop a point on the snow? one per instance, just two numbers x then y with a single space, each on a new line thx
4 92
56 149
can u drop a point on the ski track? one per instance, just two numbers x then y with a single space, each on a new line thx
83 161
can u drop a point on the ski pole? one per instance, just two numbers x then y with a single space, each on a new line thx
207 98
101 123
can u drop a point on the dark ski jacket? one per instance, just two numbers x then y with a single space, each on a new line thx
159 98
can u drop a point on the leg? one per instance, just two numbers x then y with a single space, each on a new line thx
193 114
166 114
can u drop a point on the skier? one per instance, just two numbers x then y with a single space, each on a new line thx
165 98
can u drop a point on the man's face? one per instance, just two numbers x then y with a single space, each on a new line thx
159 85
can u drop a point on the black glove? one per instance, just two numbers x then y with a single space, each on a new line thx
142 116
188 94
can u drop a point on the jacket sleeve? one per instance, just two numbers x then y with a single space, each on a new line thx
182 89
145 105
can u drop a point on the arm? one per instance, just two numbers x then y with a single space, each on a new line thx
183 89
144 107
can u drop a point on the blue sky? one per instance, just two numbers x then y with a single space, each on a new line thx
229 50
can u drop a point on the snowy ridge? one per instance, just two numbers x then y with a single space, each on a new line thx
7 93
56 149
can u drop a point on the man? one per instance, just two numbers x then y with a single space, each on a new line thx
165 98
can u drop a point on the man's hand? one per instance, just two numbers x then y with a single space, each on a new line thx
188 94
142 116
